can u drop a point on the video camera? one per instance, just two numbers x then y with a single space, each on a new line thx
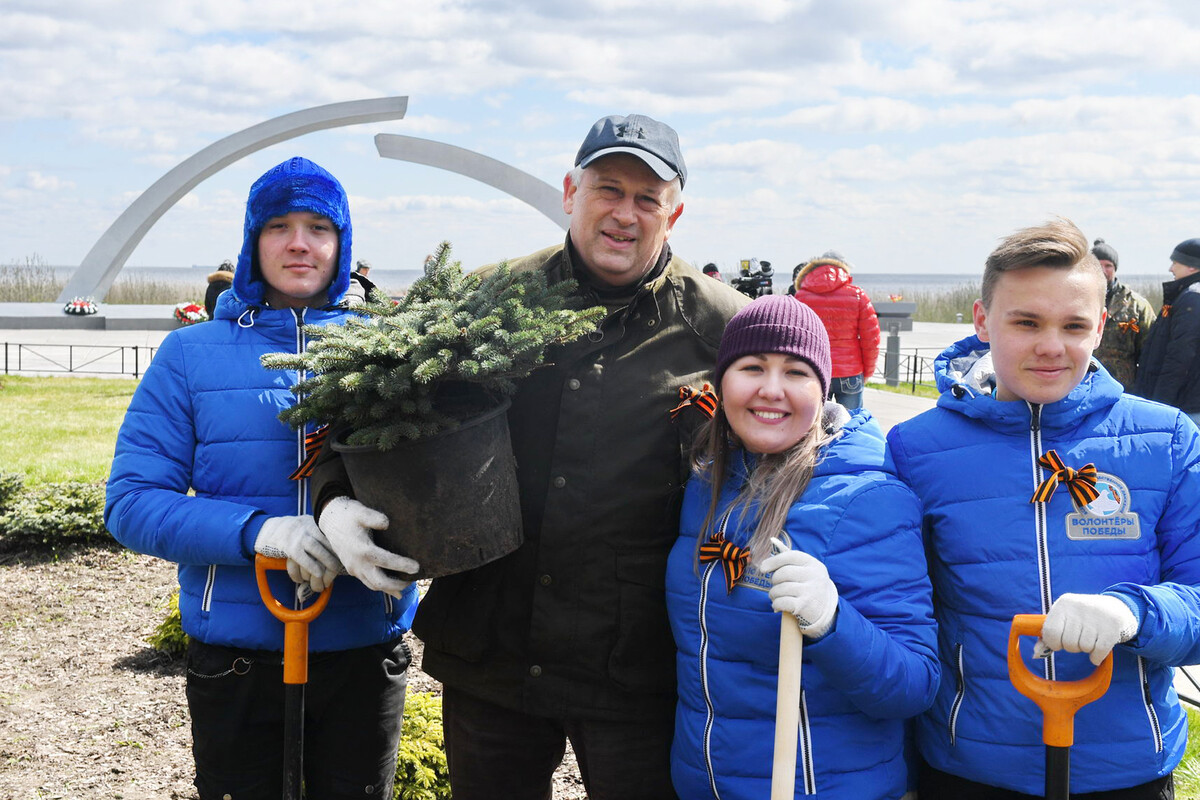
755 278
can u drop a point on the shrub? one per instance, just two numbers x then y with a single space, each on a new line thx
421 771
11 484
53 516
168 638
395 373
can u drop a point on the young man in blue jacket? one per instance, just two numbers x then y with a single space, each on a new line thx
1048 491
207 476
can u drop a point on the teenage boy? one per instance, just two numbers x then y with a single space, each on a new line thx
202 477
1046 490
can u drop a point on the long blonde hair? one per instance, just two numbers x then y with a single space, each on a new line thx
775 482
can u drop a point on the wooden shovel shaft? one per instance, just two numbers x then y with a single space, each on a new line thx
787 709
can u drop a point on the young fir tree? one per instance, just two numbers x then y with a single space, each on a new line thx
406 371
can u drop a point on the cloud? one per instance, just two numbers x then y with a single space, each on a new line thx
45 183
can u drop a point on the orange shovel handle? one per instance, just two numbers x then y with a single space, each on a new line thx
295 621
1059 700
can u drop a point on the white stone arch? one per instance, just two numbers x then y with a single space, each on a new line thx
521 185
99 268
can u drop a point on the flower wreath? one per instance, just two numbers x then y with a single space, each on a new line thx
189 313
81 306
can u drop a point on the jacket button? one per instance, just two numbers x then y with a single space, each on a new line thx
560 482
535 671
545 580
573 383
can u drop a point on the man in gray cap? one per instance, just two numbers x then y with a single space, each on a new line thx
1129 319
1169 370
567 638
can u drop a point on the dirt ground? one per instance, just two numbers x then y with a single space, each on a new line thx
87 708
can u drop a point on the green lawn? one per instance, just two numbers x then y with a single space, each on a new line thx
1187 774
60 429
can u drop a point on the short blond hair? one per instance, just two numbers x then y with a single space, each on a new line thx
1057 244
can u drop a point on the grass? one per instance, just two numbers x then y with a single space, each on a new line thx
919 390
33 281
1187 774
61 429
943 306
146 291
29 282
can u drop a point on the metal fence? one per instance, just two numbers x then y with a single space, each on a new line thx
77 359
914 367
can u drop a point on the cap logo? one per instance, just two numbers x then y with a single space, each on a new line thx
628 130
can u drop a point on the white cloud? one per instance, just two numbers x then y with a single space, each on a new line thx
45 183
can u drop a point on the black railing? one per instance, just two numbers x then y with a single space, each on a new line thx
913 368
77 359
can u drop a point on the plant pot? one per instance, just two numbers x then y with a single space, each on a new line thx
451 499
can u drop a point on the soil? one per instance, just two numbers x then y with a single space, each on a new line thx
87 707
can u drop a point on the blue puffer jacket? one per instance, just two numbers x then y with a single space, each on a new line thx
205 418
875 668
993 554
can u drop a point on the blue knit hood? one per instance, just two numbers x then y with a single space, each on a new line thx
295 185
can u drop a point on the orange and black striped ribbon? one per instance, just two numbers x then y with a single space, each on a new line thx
1081 482
1130 325
705 399
1166 311
733 558
313 442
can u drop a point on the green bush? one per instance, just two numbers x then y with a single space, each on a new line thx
11 484
421 771
52 516
168 637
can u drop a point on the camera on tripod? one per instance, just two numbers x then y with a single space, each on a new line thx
755 278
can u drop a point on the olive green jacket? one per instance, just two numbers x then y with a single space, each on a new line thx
1129 318
574 623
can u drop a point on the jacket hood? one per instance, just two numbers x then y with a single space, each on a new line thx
295 185
823 277
966 379
220 275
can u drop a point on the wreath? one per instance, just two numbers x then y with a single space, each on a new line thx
81 306
190 313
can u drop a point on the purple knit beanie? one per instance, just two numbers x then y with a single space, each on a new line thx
776 323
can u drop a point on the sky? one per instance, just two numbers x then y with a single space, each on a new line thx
910 136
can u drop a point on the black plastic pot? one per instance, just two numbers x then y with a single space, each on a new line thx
451 499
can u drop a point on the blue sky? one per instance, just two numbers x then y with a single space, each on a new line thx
910 136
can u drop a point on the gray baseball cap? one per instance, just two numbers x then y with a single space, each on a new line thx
652 141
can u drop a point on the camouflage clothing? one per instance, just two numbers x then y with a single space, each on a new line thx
1129 318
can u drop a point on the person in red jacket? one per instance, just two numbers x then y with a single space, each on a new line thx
824 284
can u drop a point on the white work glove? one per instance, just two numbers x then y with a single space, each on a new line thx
1086 623
800 585
348 524
310 559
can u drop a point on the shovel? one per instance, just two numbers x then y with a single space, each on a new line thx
295 670
787 708
1059 700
